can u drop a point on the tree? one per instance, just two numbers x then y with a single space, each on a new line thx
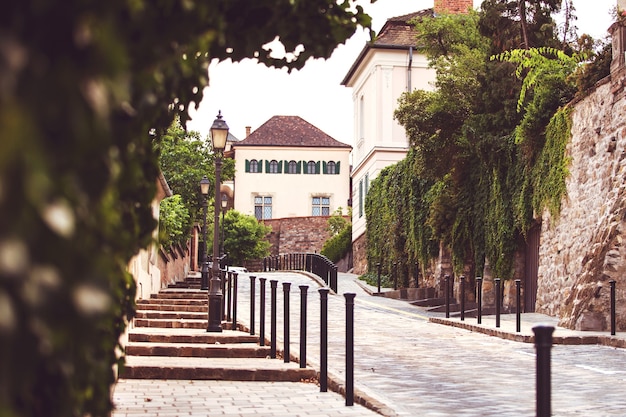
489 142
244 238
85 91
184 159
173 221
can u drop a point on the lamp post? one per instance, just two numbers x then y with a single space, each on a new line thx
219 133
204 189
224 206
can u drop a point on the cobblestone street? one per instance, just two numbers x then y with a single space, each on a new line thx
413 367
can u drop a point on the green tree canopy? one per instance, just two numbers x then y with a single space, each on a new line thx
86 88
244 238
487 146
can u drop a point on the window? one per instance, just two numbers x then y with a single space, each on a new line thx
253 166
310 167
292 167
273 167
321 206
361 198
361 134
262 207
331 168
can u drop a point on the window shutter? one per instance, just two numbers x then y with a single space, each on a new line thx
261 165
324 169
280 167
299 167
267 166
337 167
247 165
317 167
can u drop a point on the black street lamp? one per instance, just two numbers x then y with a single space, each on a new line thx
219 134
224 206
204 189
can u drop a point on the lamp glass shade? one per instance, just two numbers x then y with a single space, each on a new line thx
224 201
219 133
204 186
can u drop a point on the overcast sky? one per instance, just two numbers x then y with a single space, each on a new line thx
248 94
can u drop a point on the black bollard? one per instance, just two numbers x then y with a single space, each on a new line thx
273 286
543 344
303 295
479 298
417 274
349 348
497 289
229 278
234 327
286 355
612 283
446 280
378 267
223 287
462 295
252 300
262 312
518 305
323 339
394 273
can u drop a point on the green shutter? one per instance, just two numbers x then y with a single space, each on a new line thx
267 166
299 167
286 165
317 167
324 169
337 167
247 165
280 167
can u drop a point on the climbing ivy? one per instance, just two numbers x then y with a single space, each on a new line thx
487 147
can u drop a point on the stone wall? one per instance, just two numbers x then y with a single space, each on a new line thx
297 234
583 249
359 255
174 264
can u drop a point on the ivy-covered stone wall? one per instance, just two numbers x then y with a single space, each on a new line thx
584 247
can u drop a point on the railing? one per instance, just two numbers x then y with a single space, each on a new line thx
311 262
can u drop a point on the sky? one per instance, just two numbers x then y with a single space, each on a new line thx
249 94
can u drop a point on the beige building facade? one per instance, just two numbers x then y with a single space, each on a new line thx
289 168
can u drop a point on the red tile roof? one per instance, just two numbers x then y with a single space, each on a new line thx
397 33
292 131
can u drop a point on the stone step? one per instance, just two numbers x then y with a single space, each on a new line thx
172 315
180 335
173 302
197 350
178 294
199 308
177 324
171 324
236 369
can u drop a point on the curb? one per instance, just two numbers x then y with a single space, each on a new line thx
518 337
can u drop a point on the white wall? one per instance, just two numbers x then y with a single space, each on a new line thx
380 140
291 193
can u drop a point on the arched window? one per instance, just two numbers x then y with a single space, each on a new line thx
331 168
310 167
254 165
293 167
273 167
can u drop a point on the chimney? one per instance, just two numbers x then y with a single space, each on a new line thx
248 131
453 6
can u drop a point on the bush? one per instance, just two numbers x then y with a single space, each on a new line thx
339 245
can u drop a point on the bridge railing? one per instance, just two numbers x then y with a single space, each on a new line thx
311 262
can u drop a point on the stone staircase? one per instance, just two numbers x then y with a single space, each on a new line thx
168 340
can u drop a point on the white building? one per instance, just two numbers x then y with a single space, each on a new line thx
289 168
385 68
